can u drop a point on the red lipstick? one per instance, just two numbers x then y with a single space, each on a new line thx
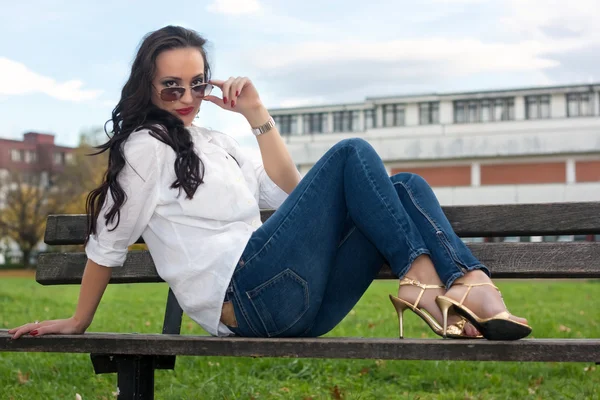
185 111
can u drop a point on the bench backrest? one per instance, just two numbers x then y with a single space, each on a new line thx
506 260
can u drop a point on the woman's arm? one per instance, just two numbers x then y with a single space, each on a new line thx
276 158
240 95
94 281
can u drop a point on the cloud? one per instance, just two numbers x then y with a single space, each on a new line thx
234 7
553 19
349 71
17 79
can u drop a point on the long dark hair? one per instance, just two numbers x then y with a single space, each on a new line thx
135 111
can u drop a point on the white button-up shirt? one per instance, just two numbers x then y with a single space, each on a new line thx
195 244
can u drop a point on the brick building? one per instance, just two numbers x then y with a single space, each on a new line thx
36 153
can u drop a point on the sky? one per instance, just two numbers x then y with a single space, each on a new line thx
63 63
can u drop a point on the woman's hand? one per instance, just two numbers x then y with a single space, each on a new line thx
240 95
65 326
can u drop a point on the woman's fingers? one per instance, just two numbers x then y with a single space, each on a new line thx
225 88
231 89
236 89
24 329
44 327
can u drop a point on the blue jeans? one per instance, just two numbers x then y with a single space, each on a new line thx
305 268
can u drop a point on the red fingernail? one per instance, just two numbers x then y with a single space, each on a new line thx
225 100
33 333
232 103
237 92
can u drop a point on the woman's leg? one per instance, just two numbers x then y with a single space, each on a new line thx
452 259
282 277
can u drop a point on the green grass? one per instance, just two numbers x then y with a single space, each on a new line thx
555 310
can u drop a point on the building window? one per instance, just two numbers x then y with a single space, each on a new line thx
17 155
537 107
579 105
59 158
484 110
314 123
287 124
369 119
429 113
345 121
30 156
393 115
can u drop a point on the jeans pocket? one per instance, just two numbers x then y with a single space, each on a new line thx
280 302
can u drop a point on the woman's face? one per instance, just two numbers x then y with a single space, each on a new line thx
179 68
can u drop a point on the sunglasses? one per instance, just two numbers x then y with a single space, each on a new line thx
175 93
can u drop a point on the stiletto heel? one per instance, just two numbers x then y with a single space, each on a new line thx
444 307
400 307
498 327
453 331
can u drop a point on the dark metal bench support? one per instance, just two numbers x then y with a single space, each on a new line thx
135 377
136 373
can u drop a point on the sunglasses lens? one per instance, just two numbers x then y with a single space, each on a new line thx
202 90
171 94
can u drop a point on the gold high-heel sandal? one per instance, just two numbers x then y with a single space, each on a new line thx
453 331
498 327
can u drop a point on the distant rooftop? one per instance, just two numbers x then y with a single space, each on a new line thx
434 95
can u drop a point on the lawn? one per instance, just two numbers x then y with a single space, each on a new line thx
555 309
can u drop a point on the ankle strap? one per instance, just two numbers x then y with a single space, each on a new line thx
413 282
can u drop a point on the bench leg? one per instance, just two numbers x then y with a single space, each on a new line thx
135 378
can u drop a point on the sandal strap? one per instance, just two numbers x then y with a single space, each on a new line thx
472 285
414 282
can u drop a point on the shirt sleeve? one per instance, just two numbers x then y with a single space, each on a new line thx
270 195
138 178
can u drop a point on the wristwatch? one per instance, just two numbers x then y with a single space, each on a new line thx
264 127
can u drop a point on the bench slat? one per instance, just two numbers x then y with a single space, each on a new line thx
506 260
468 221
572 350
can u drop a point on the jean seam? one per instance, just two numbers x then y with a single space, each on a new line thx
242 309
418 205
453 256
374 186
294 207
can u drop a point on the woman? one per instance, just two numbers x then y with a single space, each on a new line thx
195 197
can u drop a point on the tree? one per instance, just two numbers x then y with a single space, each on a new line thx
28 200
29 197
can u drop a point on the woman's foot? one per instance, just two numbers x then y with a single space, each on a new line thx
423 270
427 302
484 301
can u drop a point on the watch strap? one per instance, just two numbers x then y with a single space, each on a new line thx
264 127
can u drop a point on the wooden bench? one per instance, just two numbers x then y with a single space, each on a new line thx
134 357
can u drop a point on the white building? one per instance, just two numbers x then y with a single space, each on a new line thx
528 145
